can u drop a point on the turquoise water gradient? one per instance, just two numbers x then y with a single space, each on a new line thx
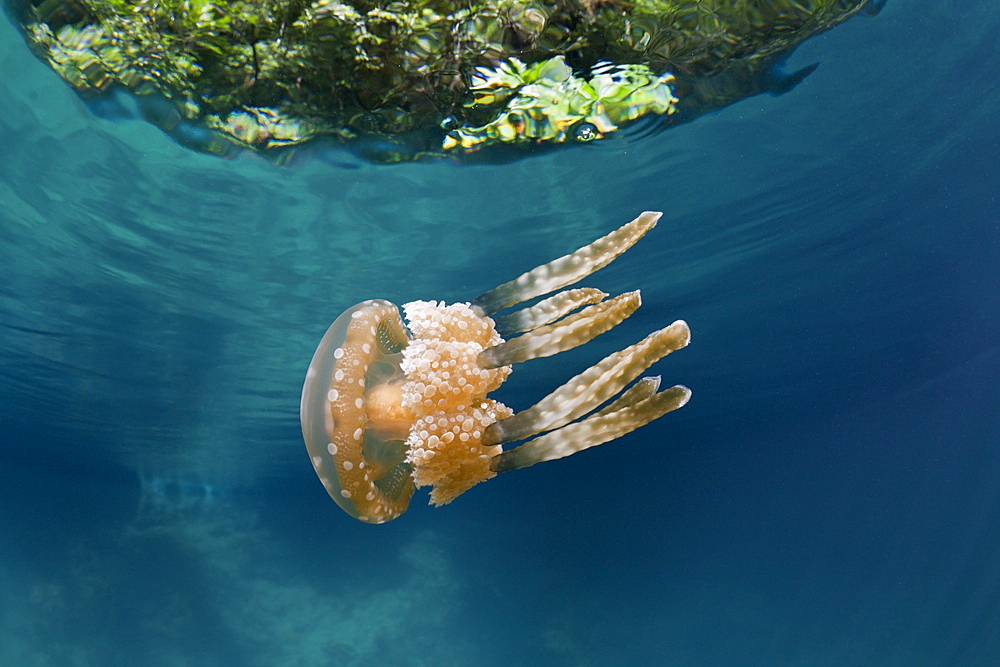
830 496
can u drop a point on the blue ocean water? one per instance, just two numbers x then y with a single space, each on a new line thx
830 495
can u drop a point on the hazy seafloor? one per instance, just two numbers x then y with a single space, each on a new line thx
830 496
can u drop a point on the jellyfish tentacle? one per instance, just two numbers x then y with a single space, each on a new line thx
591 432
547 310
642 389
571 331
589 389
568 269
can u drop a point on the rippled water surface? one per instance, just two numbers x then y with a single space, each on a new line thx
830 496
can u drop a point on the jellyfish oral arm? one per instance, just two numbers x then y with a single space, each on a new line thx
592 431
590 388
569 332
547 310
568 269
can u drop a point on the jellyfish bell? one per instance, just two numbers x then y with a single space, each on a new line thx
388 408
350 423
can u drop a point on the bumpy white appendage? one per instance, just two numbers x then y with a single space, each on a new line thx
547 310
590 388
567 269
571 331
591 432
642 389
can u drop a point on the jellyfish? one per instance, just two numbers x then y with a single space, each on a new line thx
389 407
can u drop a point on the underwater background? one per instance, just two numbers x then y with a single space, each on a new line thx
830 495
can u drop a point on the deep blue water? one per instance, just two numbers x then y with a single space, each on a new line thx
830 496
